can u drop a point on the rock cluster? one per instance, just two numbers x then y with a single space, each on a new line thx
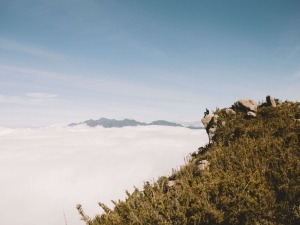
246 105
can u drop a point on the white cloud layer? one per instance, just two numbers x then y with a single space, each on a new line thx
46 171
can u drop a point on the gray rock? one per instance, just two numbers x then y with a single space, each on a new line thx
206 120
270 101
230 112
246 105
210 123
203 165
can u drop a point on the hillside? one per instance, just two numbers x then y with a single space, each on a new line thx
248 174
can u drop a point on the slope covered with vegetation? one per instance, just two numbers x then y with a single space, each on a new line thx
253 177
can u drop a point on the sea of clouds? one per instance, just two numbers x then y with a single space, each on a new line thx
45 172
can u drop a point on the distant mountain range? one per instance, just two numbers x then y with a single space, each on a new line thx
109 123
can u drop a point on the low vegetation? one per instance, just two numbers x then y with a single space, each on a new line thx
253 178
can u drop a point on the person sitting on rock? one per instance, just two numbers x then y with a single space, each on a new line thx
206 112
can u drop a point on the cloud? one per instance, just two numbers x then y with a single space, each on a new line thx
51 169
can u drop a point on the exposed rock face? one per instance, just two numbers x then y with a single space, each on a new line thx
270 101
206 120
230 112
210 124
246 105
203 165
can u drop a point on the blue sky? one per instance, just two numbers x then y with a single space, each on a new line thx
64 61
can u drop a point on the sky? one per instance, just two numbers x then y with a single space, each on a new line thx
64 61
45 172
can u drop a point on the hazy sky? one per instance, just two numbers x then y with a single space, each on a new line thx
66 61
45 172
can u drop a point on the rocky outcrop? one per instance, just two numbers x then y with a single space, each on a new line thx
210 124
206 120
246 105
270 101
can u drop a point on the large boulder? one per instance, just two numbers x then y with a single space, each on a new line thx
210 123
246 105
206 120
